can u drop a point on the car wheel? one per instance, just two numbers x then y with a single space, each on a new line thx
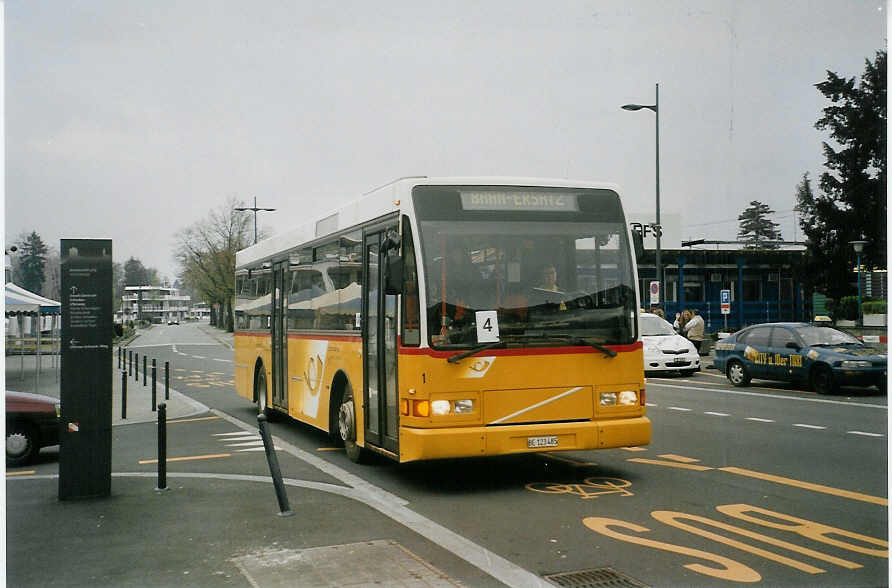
738 374
21 444
822 380
347 427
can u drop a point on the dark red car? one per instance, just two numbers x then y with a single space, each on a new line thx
32 422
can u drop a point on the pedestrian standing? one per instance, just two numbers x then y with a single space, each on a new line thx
693 329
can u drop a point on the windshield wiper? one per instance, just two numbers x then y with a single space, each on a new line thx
460 356
574 340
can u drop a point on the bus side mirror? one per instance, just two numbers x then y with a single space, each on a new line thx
638 242
393 274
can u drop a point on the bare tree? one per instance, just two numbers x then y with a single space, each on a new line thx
206 252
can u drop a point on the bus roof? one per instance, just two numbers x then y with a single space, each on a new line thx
382 201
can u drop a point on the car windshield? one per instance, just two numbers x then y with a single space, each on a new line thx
547 263
654 326
817 336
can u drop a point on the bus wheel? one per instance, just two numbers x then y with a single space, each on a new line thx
347 427
737 374
260 390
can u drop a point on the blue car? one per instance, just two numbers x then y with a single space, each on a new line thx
822 358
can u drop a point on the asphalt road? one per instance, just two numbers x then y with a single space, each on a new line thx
762 484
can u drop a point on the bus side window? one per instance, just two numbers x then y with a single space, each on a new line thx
411 328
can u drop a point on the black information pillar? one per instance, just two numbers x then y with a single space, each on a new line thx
86 379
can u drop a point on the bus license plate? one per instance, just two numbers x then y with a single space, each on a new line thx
549 441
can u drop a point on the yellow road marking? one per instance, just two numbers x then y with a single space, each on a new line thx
671 464
330 449
633 448
808 486
680 458
191 458
22 473
208 418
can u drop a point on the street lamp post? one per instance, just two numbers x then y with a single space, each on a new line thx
859 248
658 229
255 210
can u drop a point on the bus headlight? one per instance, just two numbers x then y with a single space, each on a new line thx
463 406
440 407
624 398
628 398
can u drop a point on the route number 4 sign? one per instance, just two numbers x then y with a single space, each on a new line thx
487 326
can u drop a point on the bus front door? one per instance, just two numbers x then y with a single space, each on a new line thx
279 332
379 349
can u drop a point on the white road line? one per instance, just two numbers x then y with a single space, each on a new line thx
865 434
682 409
247 444
235 434
650 404
198 357
800 425
226 360
758 420
795 398
717 413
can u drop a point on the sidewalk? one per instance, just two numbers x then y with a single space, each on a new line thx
22 376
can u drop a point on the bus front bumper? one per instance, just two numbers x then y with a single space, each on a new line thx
417 444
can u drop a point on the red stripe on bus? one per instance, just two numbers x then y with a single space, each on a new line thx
441 354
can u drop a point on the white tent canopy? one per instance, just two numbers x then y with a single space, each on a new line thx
37 310
21 301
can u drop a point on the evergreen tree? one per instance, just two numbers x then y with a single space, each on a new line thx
756 229
851 204
135 273
32 261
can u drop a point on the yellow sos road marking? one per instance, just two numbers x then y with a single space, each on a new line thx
728 569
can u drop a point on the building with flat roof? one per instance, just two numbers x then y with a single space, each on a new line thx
157 304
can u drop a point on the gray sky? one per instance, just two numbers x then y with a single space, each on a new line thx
130 120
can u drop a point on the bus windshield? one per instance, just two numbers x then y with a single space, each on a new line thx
553 263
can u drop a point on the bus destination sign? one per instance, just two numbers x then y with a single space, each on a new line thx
519 200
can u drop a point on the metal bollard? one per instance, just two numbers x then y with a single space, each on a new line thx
136 369
130 361
162 447
154 393
124 394
166 380
119 357
144 370
273 461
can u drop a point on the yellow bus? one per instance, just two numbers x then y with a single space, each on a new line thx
450 317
